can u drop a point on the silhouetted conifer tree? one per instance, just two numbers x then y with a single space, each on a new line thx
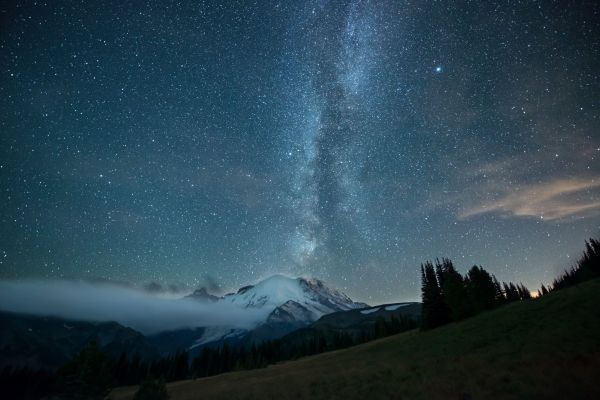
511 291
89 374
454 292
524 293
434 311
587 267
481 289
500 298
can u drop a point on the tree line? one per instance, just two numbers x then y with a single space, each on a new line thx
586 267
447 296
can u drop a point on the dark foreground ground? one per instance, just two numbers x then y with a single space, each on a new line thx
538 349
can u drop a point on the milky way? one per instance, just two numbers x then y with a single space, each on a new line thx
197 143
326 150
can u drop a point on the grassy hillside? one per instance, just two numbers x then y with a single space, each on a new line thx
546 348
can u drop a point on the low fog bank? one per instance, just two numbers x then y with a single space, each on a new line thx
138 309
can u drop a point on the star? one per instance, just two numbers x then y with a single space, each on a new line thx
328 142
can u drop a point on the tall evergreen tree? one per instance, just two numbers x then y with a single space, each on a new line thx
587 267
511 292
89 374
453 290
500 296
524 293
481 289
434 311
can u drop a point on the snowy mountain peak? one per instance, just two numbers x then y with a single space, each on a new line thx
281 304
297 298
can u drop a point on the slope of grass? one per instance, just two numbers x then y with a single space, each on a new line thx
546 348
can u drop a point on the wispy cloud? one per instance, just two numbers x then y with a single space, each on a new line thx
552 200
131 307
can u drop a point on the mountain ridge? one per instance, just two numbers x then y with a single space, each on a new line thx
288 304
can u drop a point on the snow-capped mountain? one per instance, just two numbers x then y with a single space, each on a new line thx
304 299
285 304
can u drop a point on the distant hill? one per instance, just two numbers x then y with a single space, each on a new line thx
357 319
353 322
34 341
546 348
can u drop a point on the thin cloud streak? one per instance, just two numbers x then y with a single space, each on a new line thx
555 200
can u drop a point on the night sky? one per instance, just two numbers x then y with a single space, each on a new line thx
196 143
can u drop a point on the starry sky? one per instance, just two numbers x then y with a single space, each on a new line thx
215 143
